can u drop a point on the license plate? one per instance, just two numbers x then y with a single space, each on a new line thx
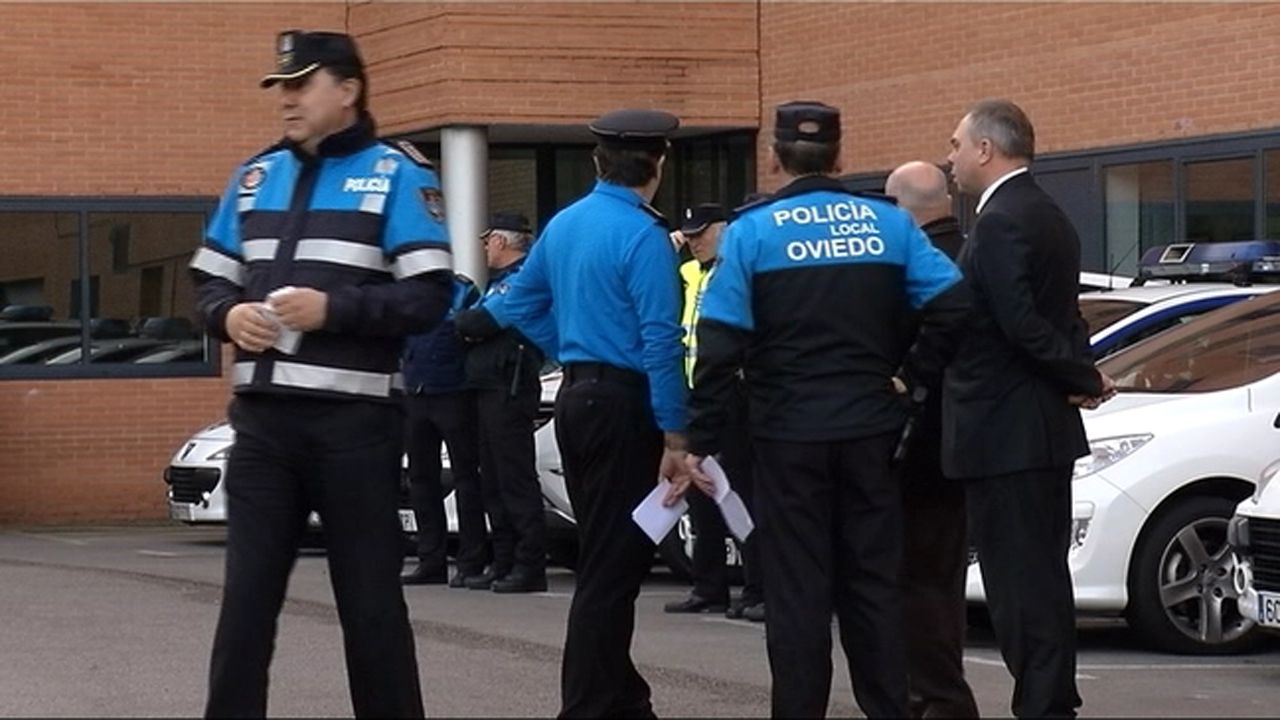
1269 609
408 522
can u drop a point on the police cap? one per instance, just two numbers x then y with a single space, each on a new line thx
300 53
637 129
807 120
509 220
697 219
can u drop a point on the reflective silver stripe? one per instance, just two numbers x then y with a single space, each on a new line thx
314 377
373 203
416 262
259 249
244 203
218 265
341 252
242 373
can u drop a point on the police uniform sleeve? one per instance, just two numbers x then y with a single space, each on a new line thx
653 284
936 287
1000 263
724 329
416 246
526 305
217 267
540 330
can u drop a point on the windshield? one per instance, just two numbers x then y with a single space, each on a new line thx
1099 314
1227 348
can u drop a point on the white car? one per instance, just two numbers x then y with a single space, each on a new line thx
1254 533
1118 319
1194 424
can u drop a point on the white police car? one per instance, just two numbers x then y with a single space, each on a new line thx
1196 421
1254 532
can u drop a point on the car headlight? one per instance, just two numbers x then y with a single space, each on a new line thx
222 454
1105 452
1269 473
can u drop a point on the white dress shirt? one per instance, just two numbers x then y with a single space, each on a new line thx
986 194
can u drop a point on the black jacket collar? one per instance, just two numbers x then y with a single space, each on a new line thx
811 183
941 226
348 141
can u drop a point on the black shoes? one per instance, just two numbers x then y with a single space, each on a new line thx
521 581
460 578
754 613
746 610
423 575
694 604
483 581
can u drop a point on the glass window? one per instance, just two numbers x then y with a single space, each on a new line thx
133 310
1272 159
1099 314
1219 200
575 174
41 252
513 181
1139 212
1233 347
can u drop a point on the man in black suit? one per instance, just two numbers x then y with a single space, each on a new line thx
935 551
1011 399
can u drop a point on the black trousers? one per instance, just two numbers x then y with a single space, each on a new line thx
611 449
449 418
1022 525
829 517
935 563
341 458
508 462
710 544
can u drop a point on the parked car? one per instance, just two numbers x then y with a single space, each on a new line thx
1171 456
1254 534
1122 318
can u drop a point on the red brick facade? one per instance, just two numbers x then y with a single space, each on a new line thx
160 99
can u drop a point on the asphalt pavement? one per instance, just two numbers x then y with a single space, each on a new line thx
118 622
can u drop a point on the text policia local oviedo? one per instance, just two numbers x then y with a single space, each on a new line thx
851 226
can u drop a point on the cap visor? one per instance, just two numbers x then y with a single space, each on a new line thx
269 80
693 229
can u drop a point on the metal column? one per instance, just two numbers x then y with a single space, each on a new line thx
464 161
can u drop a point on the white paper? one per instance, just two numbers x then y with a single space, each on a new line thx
736 516
732 508
653 517
287 339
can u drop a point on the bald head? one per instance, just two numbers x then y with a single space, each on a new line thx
921 189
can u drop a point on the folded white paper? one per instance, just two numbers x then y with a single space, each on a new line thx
732 508
655 519
287 339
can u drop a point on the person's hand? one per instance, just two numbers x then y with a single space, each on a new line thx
1092 403
249 328
302 309
1109 388
693 464
674 470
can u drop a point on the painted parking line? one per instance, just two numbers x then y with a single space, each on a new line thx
54 538
160 553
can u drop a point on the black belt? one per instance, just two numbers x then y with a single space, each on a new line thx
586 371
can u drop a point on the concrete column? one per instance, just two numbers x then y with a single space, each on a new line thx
464 170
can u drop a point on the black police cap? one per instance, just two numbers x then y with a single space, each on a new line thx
300 53
634 128
697 219
807 120
509 220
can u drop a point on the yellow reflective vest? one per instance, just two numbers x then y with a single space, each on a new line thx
694 278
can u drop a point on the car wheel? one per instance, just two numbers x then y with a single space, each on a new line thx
1181 595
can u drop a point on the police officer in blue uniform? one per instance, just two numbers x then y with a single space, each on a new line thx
810 297
606 269
441 408
326 251
503 365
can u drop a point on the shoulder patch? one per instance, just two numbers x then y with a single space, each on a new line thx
412 152
434 202
251 179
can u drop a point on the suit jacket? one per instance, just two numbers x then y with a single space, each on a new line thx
1005 406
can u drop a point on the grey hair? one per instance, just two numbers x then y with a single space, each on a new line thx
518 241
1006 126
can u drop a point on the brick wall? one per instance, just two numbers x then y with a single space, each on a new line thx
1089 75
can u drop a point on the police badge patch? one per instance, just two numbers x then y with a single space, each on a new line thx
385 166
434 201
252 178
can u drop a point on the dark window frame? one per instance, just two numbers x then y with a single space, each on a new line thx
83 207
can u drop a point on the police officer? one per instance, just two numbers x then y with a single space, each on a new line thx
607 269
442 408
503 366
326 251
809 296
702 228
